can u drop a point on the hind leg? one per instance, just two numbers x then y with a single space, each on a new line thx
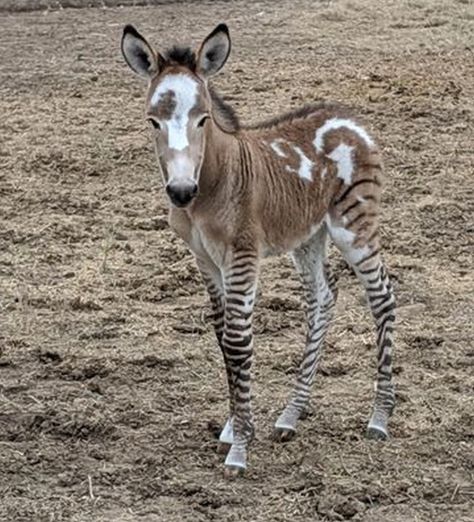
364 257
382 304
320 294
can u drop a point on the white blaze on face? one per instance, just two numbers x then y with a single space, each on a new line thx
180 168
185 90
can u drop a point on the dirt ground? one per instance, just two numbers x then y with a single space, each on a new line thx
111 385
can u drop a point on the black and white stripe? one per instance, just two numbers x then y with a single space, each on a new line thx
239 283
372 274
320 294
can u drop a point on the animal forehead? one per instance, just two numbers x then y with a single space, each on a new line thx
175 95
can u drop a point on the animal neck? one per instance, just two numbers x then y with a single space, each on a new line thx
221 159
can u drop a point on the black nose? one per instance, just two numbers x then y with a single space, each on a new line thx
181 195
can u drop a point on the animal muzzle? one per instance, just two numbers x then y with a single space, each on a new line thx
181 194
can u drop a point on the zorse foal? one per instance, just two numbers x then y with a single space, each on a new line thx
240 193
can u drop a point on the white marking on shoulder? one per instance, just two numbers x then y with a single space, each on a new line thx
337 123
275 145
306 165
342 155
185 91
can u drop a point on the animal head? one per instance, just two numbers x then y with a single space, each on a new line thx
178 103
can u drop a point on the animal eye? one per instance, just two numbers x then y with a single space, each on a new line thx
202 121
155 124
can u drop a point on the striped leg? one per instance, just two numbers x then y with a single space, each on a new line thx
212 278
240 282
371 272
320 294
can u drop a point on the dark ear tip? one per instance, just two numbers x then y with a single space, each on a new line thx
221 28
129 29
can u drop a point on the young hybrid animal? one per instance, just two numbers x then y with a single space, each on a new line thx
239 193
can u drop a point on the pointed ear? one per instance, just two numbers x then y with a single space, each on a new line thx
138 53
214 51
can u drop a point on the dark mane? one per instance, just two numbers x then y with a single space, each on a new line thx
296 114
179 55
224 115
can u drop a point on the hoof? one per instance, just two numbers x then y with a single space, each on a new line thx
283 434
376 433
233 472
223 448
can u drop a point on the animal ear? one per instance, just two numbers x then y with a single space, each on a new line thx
139 54
214 51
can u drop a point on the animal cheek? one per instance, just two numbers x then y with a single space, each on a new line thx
162 165
160 147
197 146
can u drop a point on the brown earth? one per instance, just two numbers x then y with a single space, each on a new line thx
111 386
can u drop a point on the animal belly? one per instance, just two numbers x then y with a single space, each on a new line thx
278 244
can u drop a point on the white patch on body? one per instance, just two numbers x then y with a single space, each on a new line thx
306 165
275 145
341 236
337 123
357 254
342 155
185 91
344 240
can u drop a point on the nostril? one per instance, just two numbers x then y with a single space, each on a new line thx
181 195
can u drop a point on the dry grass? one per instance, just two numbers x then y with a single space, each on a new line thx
108 407
14 6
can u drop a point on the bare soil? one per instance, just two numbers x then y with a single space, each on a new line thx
111 386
